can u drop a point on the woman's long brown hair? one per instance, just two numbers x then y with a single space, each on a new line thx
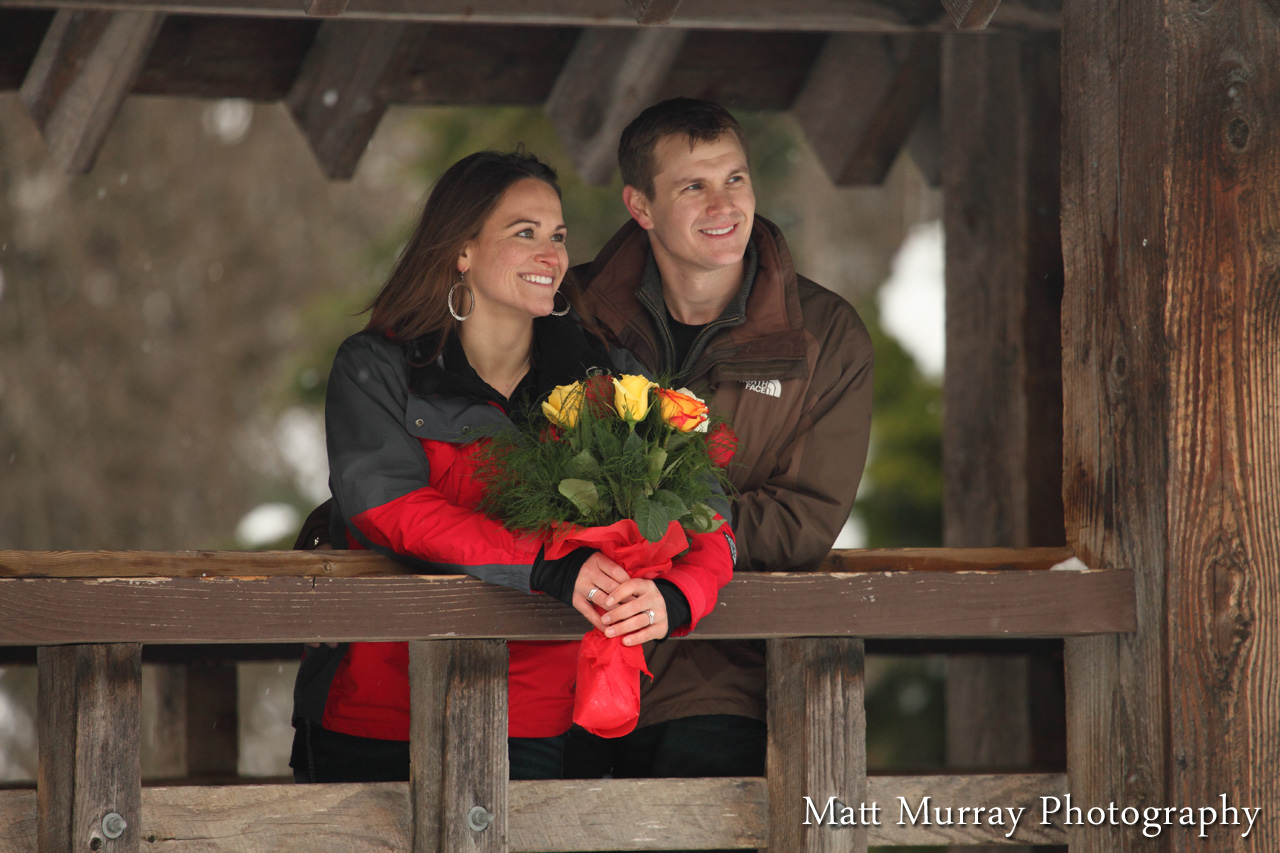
413 301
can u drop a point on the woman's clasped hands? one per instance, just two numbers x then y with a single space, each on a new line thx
617 604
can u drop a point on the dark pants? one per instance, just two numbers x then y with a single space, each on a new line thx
691 747
320 755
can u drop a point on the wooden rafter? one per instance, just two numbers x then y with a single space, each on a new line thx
609 77
971 14
343 88
794 15
863 96
653 11
80 77
324 8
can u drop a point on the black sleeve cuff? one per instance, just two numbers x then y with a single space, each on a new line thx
678 613
557 577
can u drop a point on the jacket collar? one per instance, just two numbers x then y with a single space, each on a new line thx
769 342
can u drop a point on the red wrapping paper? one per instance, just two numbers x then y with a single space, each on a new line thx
607 697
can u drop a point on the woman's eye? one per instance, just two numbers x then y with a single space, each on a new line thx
525 232
559 238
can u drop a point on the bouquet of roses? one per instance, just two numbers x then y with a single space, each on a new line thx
624 466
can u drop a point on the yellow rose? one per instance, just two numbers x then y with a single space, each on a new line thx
563 405
683 410
631 396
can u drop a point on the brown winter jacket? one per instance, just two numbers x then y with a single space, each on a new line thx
788 365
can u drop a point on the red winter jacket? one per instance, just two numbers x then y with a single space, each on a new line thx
401 455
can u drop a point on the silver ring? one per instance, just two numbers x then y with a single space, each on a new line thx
591 594
651 616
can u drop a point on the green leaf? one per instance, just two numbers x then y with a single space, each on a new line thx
704 518
656 459
675 506
634 443
583 466
582 493
652 519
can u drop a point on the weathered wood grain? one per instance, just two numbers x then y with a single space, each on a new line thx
281 609
817 744
458 746
863 96
89 727
609 77
794 15
80 77
618 814
971 14
1222 333
344 87
324 8
1002 434
339 564
653 11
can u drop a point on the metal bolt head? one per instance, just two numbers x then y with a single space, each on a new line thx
479 818
113 825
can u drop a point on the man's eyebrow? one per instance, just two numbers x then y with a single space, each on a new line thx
740 169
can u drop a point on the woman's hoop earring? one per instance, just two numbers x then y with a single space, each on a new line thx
461 282
567 306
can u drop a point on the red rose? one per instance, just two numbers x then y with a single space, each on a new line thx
722 443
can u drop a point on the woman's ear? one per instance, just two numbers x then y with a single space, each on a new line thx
464 259
638 206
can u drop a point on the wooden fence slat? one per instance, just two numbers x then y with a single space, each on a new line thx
90 753
615 814
281 609
458 745
817 742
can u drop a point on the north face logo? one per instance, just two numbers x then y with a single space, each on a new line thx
772 387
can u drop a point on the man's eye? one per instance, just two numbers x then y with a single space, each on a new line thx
694 187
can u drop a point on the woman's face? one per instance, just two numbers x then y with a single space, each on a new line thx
516 263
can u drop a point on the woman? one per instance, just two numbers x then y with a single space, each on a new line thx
467 336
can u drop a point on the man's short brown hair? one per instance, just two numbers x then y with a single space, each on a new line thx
696 120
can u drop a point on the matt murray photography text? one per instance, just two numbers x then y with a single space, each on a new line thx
1059 811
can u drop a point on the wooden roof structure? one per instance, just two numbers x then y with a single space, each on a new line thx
1113 290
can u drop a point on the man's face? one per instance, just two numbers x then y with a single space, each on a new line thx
703 205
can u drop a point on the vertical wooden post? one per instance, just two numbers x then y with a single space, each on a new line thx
817 742
1002 436
90 766
458 745
1171 363
213 719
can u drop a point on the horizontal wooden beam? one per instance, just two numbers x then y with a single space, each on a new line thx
795 15
653 11
1001 604
347 564
569 815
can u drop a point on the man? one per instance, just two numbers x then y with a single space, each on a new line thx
701 289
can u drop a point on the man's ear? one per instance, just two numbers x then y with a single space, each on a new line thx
638 206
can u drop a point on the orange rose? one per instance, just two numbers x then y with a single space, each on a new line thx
682 410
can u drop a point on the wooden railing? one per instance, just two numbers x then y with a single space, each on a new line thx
90 612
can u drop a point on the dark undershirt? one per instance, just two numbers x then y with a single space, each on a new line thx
682 336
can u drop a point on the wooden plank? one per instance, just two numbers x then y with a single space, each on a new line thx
1002 435
924 143
1116 122
863 96
608 78
344 87
347 564
817 743
80 77
769 15
458 765
971 14
324 8
89 732
569 815
653 11
164 704
231 610
213 720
